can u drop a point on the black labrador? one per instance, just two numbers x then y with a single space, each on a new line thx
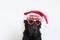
32 32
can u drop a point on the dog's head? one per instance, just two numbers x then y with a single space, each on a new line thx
32 27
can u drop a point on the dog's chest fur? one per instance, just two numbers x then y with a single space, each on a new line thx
33 37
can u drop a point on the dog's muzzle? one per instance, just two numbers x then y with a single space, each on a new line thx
33 30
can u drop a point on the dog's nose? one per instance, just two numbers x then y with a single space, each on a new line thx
33 29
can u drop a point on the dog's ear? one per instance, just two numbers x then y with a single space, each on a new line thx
25 21
26 25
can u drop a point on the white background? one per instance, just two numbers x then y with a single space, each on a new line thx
11 18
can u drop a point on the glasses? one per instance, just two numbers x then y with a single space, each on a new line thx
31 22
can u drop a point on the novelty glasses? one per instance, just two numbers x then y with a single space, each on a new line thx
32 21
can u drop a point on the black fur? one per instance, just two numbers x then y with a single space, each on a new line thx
31 32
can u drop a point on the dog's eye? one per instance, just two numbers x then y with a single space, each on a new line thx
30 21
38 22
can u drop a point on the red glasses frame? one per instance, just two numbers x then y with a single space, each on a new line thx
34 20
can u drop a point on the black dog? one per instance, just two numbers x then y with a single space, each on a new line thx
31 32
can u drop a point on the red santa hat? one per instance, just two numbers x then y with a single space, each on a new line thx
35 12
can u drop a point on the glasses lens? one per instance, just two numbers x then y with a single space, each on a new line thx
30 21
38 22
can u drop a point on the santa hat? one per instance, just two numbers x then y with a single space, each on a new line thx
35 12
